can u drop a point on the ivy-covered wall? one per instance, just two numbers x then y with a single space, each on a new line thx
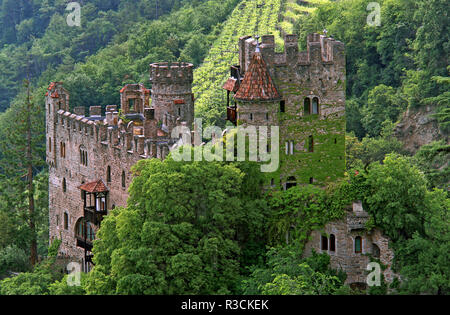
318 73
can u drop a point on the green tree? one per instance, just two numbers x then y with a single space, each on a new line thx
396 197
178 234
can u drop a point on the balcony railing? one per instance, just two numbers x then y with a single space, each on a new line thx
84 243
94 216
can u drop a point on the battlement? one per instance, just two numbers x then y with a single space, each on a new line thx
171 73
320 49
109 133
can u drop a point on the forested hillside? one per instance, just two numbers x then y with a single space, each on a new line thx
114 46
395 71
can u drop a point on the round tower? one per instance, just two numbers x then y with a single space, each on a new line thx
171 92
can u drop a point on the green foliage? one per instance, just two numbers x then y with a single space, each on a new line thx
36 282
396 197
301 209
384 103
433 159
178 234
13 259
287 273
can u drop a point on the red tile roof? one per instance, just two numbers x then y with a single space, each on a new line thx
94 187
257 84
231 85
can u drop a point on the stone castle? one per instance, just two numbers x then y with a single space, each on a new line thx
303 93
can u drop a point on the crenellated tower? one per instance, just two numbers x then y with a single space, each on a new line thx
302 92
171 93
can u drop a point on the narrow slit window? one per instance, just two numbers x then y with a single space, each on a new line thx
307 107
332 243
315 106
324 243
358 244
66 221
123 179
282 106
310 144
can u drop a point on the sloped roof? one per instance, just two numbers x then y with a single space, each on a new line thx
231 85
94 187
257 84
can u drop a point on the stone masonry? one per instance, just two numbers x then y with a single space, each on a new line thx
102 146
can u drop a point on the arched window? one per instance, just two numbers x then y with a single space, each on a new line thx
332 243
307 106
251 117
66 221
123 179
358 244
315 106
108 174
310 144
267 116
64 185
324 243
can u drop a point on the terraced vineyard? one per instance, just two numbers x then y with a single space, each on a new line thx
250 17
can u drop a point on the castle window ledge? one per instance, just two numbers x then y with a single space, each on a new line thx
130 151
104 142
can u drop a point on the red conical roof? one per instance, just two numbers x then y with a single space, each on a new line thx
257 84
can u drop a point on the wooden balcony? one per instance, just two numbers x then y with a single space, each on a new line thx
94 216
84 243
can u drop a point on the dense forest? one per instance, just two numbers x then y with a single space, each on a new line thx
394 69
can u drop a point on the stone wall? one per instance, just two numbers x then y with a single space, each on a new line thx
82 149
344 256
318 73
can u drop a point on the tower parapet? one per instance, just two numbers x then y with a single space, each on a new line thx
320 50
171 92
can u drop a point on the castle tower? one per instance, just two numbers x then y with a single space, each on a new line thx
56 98
171 93
301 92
